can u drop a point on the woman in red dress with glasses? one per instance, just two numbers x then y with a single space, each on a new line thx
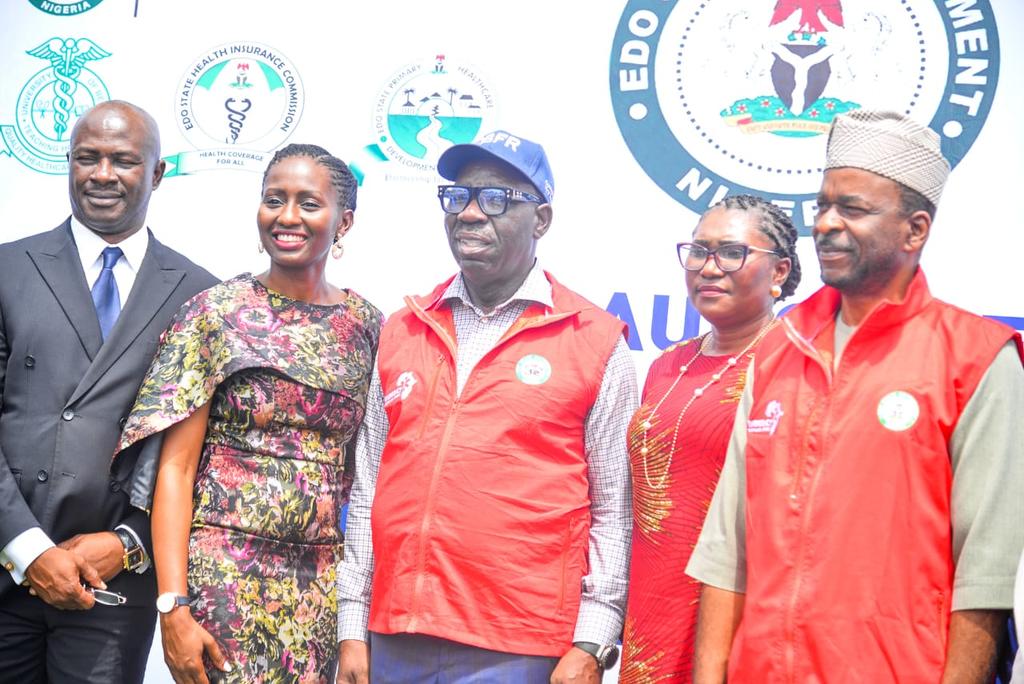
740 261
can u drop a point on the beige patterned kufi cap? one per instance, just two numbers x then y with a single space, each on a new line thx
891 145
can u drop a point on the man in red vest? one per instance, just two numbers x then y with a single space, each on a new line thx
489 525
868 519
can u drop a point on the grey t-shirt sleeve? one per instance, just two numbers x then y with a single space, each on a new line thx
720 558
987 501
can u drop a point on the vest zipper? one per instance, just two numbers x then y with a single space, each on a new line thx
431 392
428 513
811 351
790 625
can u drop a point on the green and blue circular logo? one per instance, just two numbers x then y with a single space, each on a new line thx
533 369
427 107
52 100
236 103
64 8
724 97
898 411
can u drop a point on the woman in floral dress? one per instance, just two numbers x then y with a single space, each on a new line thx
258 389
740 261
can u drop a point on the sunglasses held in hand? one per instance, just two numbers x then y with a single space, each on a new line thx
107 598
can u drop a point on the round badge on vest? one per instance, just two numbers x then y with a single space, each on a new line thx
533 369
898 411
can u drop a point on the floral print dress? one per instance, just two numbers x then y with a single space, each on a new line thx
287 382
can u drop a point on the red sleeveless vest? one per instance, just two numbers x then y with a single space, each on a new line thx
849 548
481 516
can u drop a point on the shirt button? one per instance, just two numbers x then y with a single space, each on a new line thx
792 497
68 414
42 476
30 361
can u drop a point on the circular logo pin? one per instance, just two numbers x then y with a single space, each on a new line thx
898 411
533 369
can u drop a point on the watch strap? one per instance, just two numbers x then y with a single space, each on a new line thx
175 601
604 655
134 554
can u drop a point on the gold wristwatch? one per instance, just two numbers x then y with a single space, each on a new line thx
134 554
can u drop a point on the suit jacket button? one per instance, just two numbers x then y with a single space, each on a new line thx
68 414
115 486
42 476
30 361
121 423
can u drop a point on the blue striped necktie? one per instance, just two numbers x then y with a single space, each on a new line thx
104 292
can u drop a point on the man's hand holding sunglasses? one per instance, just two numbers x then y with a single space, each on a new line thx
57 577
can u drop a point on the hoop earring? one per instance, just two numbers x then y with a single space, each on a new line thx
259 246
337 249
775 291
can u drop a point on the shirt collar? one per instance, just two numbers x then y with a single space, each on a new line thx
90 245
535 288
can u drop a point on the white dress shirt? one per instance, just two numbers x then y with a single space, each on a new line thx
90 251
21 551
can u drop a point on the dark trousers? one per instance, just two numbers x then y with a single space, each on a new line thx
421 659
104 645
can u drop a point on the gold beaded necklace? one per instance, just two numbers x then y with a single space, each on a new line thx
697 393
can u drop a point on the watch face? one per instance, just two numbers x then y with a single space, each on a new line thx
609 657
165 603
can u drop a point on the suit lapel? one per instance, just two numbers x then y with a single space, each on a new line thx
154 284
60 266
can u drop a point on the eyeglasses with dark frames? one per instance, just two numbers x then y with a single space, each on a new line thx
728 258
493 201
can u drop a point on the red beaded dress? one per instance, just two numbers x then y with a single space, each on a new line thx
677 444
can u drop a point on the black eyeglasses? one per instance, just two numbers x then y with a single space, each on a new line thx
729 258
492 201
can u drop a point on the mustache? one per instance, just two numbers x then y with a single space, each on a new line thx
829 243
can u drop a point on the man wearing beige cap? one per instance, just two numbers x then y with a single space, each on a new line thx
867 523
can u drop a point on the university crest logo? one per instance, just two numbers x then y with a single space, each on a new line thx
236 104
719 97
51 101
424 109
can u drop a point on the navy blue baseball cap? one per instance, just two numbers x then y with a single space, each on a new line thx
525 156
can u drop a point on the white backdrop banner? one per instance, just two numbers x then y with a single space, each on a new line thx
650 111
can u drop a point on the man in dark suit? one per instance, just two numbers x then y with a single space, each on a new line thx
81 309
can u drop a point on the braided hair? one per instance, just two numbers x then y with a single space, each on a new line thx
778 227
344 182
